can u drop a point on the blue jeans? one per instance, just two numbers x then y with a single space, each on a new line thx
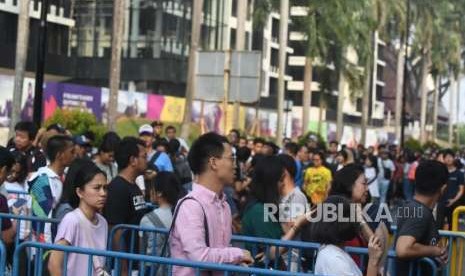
383 189
409 189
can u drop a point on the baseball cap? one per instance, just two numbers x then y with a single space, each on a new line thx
81 140
145 129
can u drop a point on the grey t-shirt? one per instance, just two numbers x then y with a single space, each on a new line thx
294 204
164 218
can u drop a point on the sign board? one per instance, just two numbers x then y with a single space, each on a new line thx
244 81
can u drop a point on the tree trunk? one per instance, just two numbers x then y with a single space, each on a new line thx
240 46
457 110
320 112
190 86
366 104
399 90
157 43
340 105
436 107
115 63
22 43
370 67
283 32
307 95
452 99
424 94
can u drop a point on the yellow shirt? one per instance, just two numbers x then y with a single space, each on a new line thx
316 183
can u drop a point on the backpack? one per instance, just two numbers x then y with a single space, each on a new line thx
151 164
182 170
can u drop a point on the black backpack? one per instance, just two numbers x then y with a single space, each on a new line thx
182 169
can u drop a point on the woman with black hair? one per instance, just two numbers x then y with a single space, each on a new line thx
84 226
267 182
64 207
333 235
261 216
350 182
164 191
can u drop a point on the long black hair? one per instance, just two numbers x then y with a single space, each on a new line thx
337 231
21 159
265 180
79 174
166 183
344 180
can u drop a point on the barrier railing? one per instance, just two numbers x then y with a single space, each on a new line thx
457 255
3 254
142 259
23 223
455 241
264 245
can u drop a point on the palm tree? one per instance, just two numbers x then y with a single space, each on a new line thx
380 16
115 63
322 34
283 38
190 90
22 43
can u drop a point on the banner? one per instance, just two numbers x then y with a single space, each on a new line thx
6 99
155 105
173 109
72 96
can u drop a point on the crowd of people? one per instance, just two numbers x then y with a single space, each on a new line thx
221 186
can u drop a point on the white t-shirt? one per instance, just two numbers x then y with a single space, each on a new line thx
372 179
22 202
56 187
332 260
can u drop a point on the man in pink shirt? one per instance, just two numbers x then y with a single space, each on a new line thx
202 226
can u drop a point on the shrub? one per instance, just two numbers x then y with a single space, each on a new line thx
78 122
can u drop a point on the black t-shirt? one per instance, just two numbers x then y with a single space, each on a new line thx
125 203
416 220
456 179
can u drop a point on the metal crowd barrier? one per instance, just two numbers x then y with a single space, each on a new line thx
28 233
3 254
265 245
141 259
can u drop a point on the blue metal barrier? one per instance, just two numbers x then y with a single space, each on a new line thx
142 259
3 254
24 221
265 245
23 224
455 242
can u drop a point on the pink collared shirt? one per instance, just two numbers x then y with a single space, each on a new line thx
187 241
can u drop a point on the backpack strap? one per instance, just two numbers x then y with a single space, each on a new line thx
154 219
175 215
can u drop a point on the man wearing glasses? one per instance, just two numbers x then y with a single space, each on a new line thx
202 225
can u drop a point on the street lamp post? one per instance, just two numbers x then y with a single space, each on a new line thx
404 90
288 104
40 64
